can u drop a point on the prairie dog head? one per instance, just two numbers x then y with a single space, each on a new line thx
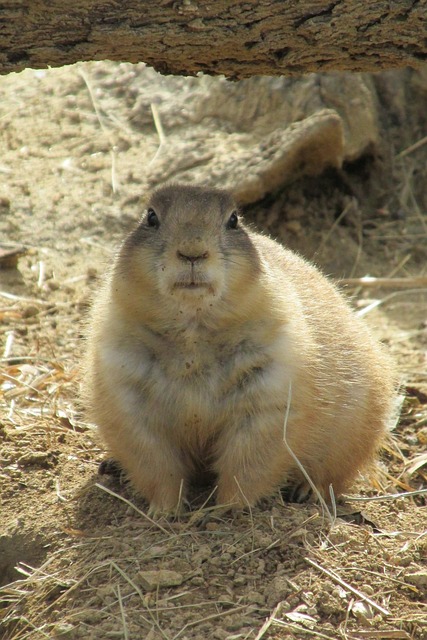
190 248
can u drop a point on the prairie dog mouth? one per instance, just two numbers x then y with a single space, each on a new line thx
192 285
199 281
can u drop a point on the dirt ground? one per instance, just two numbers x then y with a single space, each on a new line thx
79 557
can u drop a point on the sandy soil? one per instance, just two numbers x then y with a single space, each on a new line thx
79 557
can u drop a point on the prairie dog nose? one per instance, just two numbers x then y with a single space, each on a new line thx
192 258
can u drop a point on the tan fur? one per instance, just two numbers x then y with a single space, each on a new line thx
180 377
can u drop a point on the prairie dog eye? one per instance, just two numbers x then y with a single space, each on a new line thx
152 219
233 221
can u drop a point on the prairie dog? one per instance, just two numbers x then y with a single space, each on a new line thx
201 329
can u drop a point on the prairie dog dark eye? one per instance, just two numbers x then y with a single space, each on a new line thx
152 219
233 221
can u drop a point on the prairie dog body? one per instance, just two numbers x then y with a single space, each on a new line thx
200 331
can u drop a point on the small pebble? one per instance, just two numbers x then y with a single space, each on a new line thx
4 203
30 311
293 226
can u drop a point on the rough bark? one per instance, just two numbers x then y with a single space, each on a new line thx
238 39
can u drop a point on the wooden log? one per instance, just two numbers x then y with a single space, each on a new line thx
238 39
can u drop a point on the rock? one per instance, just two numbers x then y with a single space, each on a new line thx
30 311
63 630
278 589
339 533
158 579
362 611
4 202
417 578
36 458
9 256
255 597
202 554
257 135
251 171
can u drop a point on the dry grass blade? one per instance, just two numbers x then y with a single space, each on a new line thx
251 516
20 383
213 616
30 634
369 282
380 635
160 132
135 508
349 207
42 274
35 580
390 296
267 624
389 496
381 576
301 466
158 123
10 337
94 102
416 463
104 128
412 147
202 511
11 296
302 630
345 584
137 590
